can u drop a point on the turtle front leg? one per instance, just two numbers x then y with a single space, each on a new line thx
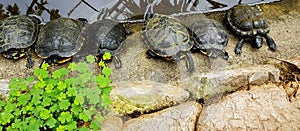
29 60
42 63
212 53
150 54
258 41
225 55
117 61
189 62
238 47
270 42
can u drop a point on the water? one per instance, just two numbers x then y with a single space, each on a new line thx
123 9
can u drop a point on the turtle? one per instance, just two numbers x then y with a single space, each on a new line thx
104 35
248 23
168 39
210 37
17 34
56 43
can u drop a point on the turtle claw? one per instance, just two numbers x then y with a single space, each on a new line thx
29 63
237 51
271 43
239 46
117 61
150 54
225 55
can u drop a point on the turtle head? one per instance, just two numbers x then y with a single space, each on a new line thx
37 19
258 41
52 60
84 21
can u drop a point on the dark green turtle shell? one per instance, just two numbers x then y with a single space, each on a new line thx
210 37
58 38
246 21
102 36
209 34
17 32
166 36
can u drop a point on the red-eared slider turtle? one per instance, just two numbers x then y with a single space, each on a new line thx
106 35
210 37
17 34
167 38
57 40
248 22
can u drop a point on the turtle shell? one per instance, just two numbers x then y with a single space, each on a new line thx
17 32
246 20
166 36
102 36
210 37
249 23
58 38
209 34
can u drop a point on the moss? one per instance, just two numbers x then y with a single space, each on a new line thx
123 105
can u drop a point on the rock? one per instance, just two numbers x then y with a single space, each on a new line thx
182 117
112 123
295 99
207 85
4 90
145 96
264 108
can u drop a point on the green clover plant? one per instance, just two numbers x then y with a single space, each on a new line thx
72 98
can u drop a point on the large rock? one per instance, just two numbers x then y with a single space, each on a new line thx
263 108
210 84
145 96
182 117
112 123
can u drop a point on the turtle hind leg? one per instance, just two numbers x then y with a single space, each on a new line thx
189 63
270 42
238 47
117 61
29 60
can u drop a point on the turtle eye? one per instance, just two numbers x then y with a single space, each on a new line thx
220 40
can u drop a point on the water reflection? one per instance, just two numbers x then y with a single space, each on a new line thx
123 9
